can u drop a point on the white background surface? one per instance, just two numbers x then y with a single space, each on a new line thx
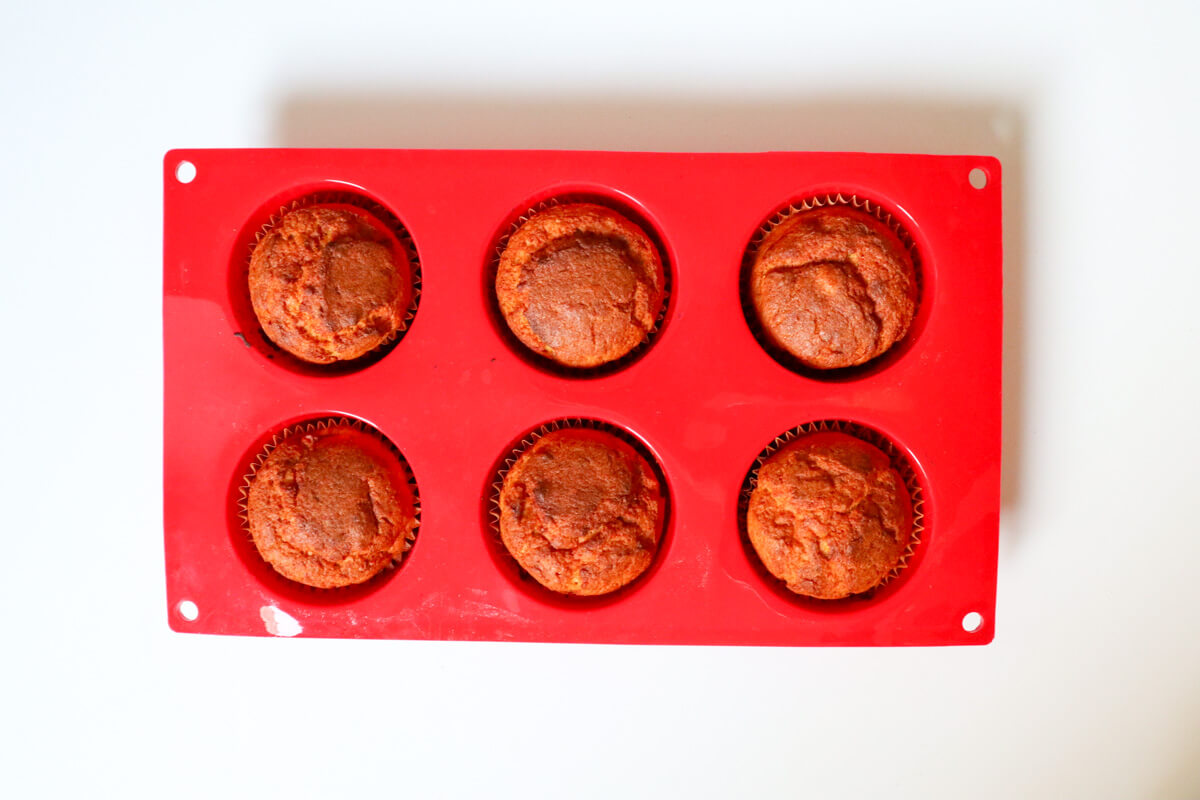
1092 687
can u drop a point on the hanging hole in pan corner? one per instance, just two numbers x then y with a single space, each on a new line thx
972 622
188 610
185 172
978 178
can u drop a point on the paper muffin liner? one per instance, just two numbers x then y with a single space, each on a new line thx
527 441
545 362
898 461
318 426
389 221
833 200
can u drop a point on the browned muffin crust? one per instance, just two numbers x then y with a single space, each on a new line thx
581 511
580 284
325 508
829 517
834 287
328 284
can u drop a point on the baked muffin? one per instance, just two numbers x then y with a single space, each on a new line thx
330 283
580 284
582 512
829 517
330 507
833 287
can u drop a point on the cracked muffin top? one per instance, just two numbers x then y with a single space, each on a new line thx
582 512
829 516
833 287
330 283
330 507
580 284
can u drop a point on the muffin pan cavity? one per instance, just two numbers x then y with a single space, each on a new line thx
459 397
507 565
407 492
607 198
893 220
910 561
248 330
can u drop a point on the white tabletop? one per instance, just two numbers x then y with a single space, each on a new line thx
1092 686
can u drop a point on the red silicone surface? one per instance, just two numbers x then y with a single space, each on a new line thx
704 398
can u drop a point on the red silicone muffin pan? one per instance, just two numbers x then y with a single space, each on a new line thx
456 395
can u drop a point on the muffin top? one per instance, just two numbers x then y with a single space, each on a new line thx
329 283
580 284
829 517
582 512
833 287
330 507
